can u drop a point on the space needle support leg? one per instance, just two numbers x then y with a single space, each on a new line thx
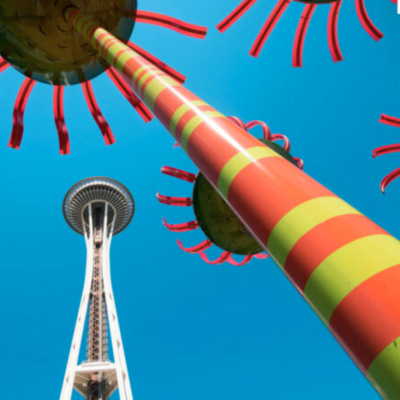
345 266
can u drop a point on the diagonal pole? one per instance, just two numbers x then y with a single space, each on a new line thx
345 266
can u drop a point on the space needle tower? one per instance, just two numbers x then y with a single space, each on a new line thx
97 208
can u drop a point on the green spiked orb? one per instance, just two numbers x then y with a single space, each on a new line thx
218 221
37 40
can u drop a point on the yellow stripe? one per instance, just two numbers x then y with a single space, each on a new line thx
113 50
384 372
179 113
152 73
347 268
301 219
205 116
238 162
155 87
123 58
138 72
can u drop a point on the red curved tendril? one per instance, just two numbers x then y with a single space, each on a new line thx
389 178
265 128
136 103
268 27
3 64
366 22
393 1
297 58
300 162
195 249
185 227
388 120
237 121
221 259
165 21
59 119
332 32
178 173
97 114
261 256
391 148
286 142
238 12
174 201
18 114
245 260
160 64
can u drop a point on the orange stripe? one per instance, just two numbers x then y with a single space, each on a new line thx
368 319
282 190
323 240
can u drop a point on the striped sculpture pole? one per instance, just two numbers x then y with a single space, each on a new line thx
347 267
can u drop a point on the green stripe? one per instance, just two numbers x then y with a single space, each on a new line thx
238 162
194 123
384 372
301 219
179 113
346 268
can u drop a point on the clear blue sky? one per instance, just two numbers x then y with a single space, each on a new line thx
193 331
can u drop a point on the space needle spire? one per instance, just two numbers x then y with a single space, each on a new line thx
97 208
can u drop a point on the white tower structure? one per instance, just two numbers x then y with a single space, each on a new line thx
97 208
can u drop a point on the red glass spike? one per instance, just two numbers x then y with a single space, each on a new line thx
238 122
185 227
165 21
300 162
238 12
366 22
245 261
221 259
332 32
174 201
18 114
58 108
265 128
261 256
124 88
391 148
268 27
3 64
297 58
97 114
389 178
388 120
160 64
195 249
278 136
178 173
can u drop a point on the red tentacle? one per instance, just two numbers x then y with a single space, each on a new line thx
136 103
185 227
174 201
165 21
160 64
178 173
245 260
97 114
300 162
268 27
195 249
332 32
18 114
393 1
297 59
286 142
366 22
265 128
58 108
3 64
388 120
238 122
221 259
238 12
389 178
391 148
261 256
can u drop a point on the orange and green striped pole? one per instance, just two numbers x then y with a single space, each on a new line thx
346 267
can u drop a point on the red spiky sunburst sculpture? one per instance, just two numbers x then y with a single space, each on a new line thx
219 224
84 71
310 6
391 148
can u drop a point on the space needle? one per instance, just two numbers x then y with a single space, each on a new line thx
97 208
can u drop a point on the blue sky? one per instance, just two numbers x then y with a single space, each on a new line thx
191 330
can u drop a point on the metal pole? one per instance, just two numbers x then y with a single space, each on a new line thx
346 267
